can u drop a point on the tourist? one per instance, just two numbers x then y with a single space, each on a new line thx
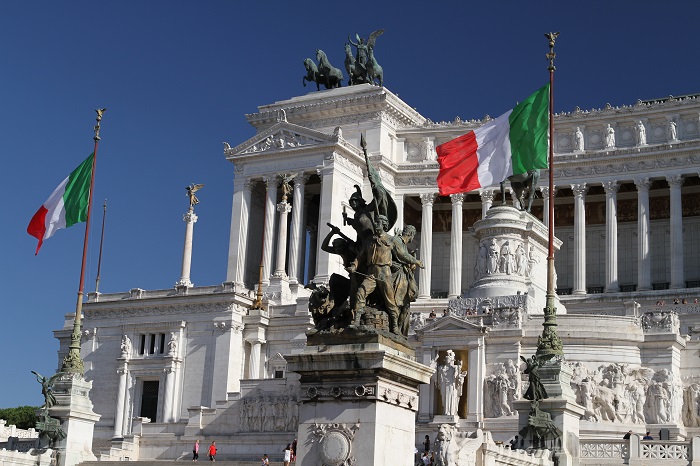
288 454
445 313
294 450
514 443
684 301
426 443
675 301
696 301
648 436
432 314
195 451
265 460
426 458
212 451
627 435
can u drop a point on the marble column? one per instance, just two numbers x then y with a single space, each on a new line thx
399 201
168 394
313 250
545 203
426 245
283 208
579 238
190 218
475 381
455 287
297 229
268 233
238 240
254 360
643 235
612 284
486 200
123 372
675 182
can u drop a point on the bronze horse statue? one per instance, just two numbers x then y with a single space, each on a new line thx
312 74
519 183
330 76
374 70
356 72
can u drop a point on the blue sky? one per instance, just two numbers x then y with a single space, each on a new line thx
177 78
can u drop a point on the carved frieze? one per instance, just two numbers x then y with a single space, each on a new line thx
335 442
660 322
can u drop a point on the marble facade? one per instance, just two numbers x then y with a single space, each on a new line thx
201 362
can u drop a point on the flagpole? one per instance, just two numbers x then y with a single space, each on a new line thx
102 238
549 344
73 363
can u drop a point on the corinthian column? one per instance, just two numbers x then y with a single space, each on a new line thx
545 206
123 372
426 244
455 288
168 394
296 235
283 208
611 281
238 241
579 238
190 218
486 201
643 257
268 233
675 182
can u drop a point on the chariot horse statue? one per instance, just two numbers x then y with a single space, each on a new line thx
329 75
519 183
365 68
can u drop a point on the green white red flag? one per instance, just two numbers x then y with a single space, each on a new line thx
514 143
66 206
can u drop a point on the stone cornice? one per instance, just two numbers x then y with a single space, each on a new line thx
337 103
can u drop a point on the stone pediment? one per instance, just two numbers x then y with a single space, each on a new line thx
284 136
451 323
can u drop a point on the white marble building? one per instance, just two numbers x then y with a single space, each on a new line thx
169 366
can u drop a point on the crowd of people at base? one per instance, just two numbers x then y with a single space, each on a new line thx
290 453
677 301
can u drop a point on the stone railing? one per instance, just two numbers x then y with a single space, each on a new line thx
7 431
639 452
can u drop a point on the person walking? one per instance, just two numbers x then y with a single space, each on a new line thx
265 460
288 454
426 443
212 451
294 450
195 451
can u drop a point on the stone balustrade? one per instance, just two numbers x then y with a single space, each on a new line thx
636 451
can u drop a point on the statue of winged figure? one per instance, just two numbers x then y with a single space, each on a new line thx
363 47
47 388
191 189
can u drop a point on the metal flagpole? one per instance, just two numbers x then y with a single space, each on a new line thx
549 344
73 363
102 238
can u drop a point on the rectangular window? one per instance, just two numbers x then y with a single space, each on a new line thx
279 374
149 400
142 345
152 347
162 343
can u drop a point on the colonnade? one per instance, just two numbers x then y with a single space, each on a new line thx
293 264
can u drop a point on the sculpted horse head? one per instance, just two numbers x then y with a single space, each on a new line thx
519 183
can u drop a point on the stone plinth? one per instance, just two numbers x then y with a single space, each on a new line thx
74 408
562 407
512 258
358 402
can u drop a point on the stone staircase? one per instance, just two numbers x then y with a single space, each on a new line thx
248 462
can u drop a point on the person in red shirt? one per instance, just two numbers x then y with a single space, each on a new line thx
212 451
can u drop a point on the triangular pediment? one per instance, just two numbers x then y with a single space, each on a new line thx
451 323
280 137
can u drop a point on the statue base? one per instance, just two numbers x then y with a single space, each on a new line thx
279 290
359 400
74 408
564 413
445 419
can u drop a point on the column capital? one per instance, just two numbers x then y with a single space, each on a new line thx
457 198
642 184
545 190
675 180
270 182
486 195
190 217
427 199
579 189
284 207
610 187
301 179
249 184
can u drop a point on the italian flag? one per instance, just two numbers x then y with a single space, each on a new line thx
66 206
514 143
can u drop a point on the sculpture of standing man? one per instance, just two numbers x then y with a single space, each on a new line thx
641 134
578 140
609 137
450 381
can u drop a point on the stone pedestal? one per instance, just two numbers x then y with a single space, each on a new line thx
561 406
74 408
359 400
511 261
